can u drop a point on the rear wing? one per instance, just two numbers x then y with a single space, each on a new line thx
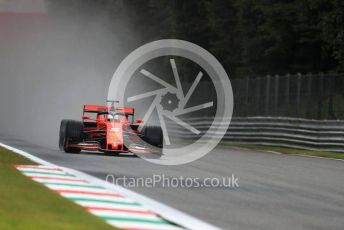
95 108
125 110
104 109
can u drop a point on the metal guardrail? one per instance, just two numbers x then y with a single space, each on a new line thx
325 135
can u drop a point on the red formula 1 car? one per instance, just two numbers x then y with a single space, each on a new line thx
109 129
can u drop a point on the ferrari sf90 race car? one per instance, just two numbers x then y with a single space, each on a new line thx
110 129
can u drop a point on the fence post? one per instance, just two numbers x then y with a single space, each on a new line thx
298 94
320 91
331 92
309 77
276 95
287 91
267 95
246 81
257 97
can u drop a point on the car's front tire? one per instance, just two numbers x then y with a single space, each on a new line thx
153 135
72 131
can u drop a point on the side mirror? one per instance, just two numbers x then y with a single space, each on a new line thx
138 121
86 117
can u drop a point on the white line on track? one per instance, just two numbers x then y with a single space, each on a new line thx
102 197
124 214
144 226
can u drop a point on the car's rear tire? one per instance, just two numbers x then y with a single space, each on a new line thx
73 131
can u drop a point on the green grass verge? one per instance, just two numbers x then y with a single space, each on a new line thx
335 155
25 204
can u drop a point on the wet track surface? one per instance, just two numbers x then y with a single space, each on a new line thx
275 191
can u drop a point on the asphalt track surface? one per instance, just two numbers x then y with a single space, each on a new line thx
275 191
